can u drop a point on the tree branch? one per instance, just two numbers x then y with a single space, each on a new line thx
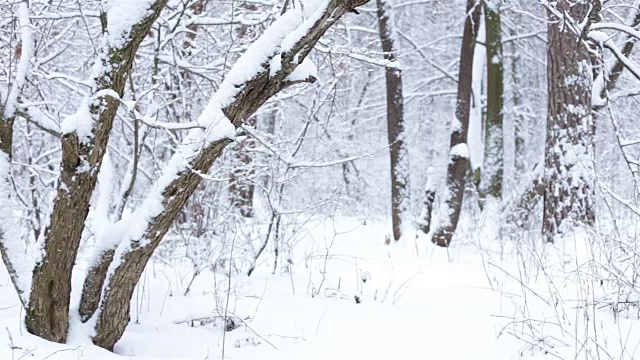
238 101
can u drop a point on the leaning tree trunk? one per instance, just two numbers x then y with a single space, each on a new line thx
493 168
569 148
180 179
400 197
458 168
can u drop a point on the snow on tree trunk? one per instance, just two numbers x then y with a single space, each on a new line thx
400 197
569 148
458 169
84 144
248 85
477 113
105 251
493 168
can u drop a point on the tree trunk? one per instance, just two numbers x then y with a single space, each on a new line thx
136 251
519 122
400 196
458 168
493 168
48 309
569 151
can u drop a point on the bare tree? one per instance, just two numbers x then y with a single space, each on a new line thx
400 196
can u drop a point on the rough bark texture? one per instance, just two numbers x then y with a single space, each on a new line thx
568 175
92 287
115 306
6 134
48 309
400 201
493 167
458 168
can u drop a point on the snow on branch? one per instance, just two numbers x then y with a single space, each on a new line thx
360 57
619 27
127 22
246 87
606 41
122 15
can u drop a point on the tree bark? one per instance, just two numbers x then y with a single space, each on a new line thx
48 309
458 168
569 148
113 316
493 168
400 196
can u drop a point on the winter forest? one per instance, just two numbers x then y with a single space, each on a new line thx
318 179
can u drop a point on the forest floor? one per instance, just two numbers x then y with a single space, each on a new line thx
477 300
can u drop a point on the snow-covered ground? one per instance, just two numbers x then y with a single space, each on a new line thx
476 300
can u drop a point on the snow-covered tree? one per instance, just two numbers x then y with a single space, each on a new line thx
119 32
